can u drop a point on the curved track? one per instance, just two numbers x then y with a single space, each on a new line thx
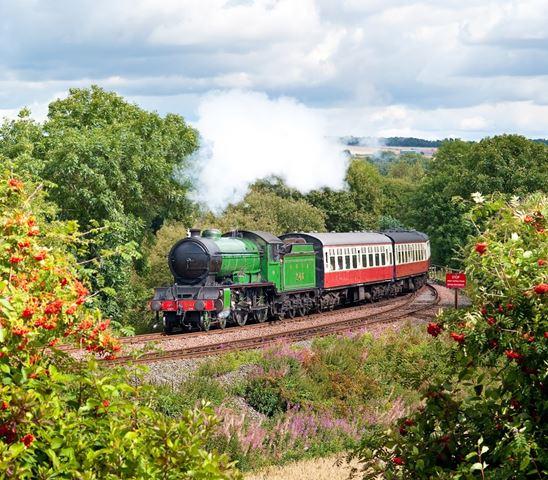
162 337
407 307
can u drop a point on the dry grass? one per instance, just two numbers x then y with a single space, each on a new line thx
316 469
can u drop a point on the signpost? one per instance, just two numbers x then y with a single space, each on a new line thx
455 281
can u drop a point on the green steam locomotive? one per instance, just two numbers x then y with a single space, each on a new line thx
243 276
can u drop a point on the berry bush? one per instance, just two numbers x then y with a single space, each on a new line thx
489 418
67 418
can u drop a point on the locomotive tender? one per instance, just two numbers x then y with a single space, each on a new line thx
253 275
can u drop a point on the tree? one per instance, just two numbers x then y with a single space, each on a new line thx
269 212
109 158
67 418
489 418
340 209
365 183
508 164
116 169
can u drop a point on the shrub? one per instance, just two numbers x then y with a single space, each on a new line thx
264 395
491 422
63 418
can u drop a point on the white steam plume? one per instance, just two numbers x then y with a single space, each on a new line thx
247 136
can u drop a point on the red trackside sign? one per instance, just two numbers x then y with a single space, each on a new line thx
455 280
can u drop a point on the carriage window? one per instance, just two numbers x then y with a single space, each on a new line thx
364 260
383 258
332 262
340 262
371 264
354 261
390 258
377 259
347 261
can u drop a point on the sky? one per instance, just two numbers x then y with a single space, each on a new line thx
432 69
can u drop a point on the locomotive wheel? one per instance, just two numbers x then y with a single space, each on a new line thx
261 315
301 311
241 317
291 312
222 323
205 322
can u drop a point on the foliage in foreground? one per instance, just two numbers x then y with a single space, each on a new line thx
63 418
493 422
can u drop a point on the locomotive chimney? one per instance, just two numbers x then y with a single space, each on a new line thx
195 232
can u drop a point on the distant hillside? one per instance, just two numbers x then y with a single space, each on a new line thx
402 141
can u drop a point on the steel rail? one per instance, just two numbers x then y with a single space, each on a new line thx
160 337
303 333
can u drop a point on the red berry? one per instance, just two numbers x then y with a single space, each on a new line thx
15 184
398 461
28 439
54 307
40 256
512 355
481 248
434 329
458 337
541 288
105 403
5 405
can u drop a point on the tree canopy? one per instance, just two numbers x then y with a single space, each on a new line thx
509 164
263 210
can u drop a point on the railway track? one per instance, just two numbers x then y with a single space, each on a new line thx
408 307
161 337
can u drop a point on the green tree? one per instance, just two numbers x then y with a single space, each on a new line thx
340 209
116 169
365 184
509 164
109 158
269 212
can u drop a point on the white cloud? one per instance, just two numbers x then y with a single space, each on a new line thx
432 66
247 136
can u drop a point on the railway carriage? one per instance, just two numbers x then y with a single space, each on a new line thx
253 275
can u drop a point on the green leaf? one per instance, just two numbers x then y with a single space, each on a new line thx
476 466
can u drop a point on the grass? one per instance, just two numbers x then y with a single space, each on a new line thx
329 468
289 403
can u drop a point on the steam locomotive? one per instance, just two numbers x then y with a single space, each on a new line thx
243 276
